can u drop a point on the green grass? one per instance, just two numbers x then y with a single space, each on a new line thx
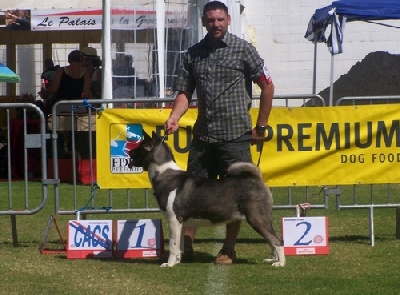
352 266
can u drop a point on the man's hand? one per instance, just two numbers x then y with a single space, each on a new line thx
257 136
181 105
171 125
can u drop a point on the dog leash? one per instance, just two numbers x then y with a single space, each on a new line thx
259 157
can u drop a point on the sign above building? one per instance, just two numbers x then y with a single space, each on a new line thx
89 19
65 19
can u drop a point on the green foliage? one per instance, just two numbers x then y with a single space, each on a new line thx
352 266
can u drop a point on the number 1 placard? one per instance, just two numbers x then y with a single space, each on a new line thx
139 238
305 235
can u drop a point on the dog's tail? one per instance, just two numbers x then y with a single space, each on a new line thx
238 169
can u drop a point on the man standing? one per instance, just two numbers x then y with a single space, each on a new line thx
221 68
93 65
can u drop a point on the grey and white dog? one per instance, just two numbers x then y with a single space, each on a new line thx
195 201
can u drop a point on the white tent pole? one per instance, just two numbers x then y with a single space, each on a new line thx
234 11
331 82
106 91
160 11
314 86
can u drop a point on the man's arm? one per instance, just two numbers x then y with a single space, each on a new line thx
267 94
181 105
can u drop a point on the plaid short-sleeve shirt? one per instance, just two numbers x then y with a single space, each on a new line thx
222 77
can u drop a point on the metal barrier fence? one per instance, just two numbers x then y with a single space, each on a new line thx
357 100
75 120
27 134
354 203
34 138
29 130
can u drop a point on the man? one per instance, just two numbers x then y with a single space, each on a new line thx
221 68
92 63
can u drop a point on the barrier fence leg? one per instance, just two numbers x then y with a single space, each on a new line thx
14 230
371 226
398 223
301 209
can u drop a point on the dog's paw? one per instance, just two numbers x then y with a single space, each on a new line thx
270 260
169 264
274 262
278 264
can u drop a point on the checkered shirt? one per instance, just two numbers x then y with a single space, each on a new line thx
222 77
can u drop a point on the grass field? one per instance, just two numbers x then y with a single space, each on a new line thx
352 266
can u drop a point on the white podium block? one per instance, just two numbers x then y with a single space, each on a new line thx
142 238
305 235
90 239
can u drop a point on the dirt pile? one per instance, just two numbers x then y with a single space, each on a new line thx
378 74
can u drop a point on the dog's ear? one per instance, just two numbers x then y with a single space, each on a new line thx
146 137
147 141
157 139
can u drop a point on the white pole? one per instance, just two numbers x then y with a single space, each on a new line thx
106 91
371 226
331 83
314 85
160 10
234 11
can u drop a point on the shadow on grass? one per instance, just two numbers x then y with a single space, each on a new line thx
221 241
207 258
19 244
199 257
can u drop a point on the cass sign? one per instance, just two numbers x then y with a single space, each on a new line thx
90 239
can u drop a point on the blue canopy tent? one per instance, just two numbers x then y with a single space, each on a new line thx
340 12
7 75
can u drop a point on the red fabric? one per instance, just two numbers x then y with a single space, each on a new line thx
64 170
17 148
84 171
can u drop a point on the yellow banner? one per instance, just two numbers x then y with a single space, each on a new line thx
116 131
303 146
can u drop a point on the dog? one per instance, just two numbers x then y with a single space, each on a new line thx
191 200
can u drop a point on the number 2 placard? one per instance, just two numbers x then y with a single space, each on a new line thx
305 235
